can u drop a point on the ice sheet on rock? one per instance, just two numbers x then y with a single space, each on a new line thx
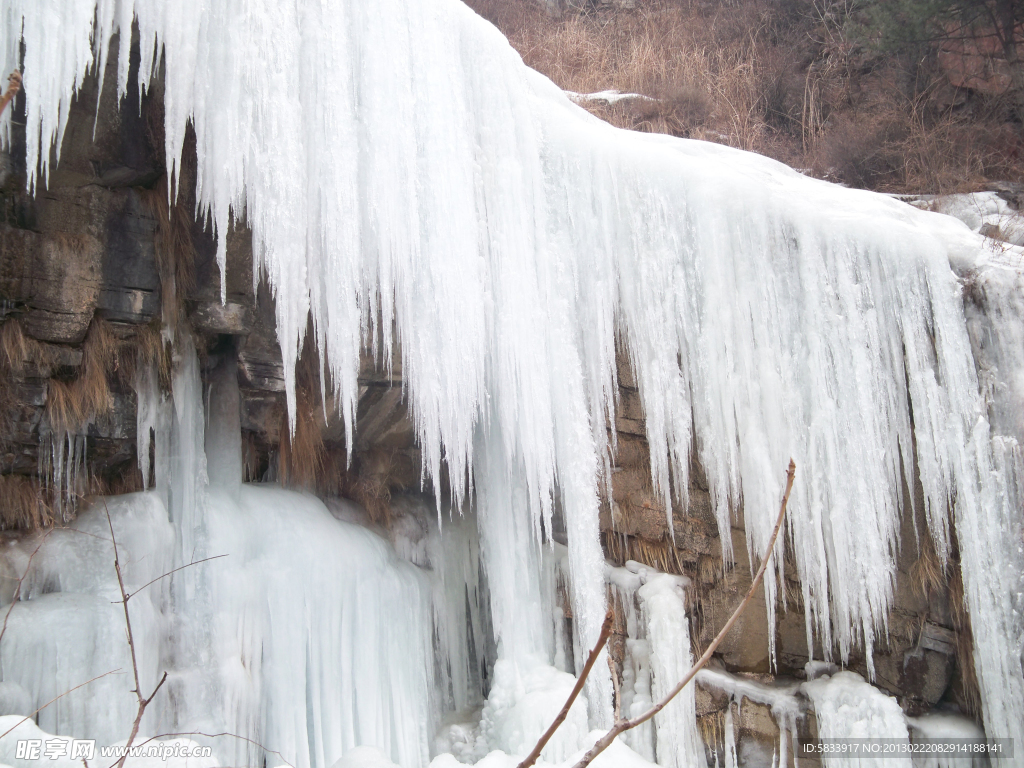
984 212
14 699
523 702
287 641
69 625
20 729
152 428
450 554
658 656
609 97
781 697
846 707
668 630
224 434
294 648
945 726
994 305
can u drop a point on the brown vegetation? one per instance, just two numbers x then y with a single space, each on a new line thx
175 251
780 77
22 505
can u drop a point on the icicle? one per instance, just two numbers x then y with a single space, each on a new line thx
730 738
149 403
224 430
668 628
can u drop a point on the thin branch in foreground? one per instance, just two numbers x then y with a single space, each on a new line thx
125 596
606 629
143 702
624 725
30 715
179 568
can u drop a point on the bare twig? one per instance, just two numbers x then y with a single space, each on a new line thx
143 701
606 629
125 596
179 568
30 715
624 725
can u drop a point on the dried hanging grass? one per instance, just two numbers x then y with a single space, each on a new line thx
63 407
71 405
970 689
301 453
661 555
15 346
23 506
712 729
148 345
926 575
175 251
99 357
374 481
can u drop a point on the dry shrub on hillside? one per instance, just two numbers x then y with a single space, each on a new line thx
780 77
709 76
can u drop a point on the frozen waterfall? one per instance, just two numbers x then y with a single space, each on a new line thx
410 184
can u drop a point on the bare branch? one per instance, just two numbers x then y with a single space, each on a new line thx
179 568
624 725
606 629
30 715
143 702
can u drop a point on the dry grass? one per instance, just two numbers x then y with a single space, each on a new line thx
967 689
175 252
706 79
71 405
301 452
373 480
23 505
128 480
712 729
660 555
100 354
15 347
777 77
148 345
926 575
15 350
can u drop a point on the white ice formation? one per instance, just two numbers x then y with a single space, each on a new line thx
406 179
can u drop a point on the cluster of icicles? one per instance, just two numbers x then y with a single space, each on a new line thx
411 185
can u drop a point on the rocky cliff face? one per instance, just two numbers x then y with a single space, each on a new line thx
96 268
98 252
